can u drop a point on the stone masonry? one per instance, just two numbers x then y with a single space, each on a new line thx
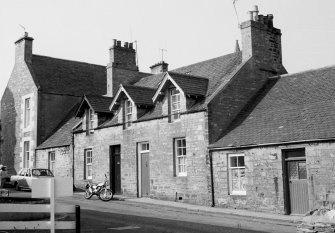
264 176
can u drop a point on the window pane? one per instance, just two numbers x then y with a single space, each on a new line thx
241 161
234 174
293 170
233 161
235 185
302 170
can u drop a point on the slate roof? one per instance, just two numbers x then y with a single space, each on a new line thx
63 133
69 77
191 85
296 107
140 95
216 70
100 103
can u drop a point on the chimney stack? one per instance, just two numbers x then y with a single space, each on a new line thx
261 41
159 67
122 65
24 49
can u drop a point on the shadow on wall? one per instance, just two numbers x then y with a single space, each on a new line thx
8 132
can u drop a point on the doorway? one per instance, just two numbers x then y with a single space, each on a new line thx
144 170
115 168
295 182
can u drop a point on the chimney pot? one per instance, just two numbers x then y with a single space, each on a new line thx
130 45
126 44
251 15
114 42
118 43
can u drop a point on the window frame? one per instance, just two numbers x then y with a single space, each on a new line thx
27 112
128 112
90 121
183 156
51 160
175 112
239 179
88 166
26 154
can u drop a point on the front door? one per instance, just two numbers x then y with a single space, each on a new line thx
115 169
145 178
296 182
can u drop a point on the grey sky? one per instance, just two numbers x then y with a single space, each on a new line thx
190 30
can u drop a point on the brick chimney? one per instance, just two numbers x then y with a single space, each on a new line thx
261 40
122 66
24 48
159 67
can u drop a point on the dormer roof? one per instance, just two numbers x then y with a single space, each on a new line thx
187 84
136 94
99 104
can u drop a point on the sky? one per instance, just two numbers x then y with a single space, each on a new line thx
189 30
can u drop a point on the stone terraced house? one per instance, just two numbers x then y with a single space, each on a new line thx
156 143
233 131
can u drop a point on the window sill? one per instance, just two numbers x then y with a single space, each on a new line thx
238 194
182 175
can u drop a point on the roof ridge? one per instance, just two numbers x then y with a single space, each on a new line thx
67 60
306 71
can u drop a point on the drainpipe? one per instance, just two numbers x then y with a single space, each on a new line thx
212 177
73 159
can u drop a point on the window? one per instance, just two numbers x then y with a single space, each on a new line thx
26 151
180 153
51 161
88 164
26 112
237 178
144 147
129 112
175 104
90 121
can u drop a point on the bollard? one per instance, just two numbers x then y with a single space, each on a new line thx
77 219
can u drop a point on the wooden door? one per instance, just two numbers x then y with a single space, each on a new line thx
145 175
115 169
295 182
298 186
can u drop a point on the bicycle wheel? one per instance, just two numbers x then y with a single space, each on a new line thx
88 194
106 194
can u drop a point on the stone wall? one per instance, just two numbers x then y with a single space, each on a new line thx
160 134
264 174
20 84
63 160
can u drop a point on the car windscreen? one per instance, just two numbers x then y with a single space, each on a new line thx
41 172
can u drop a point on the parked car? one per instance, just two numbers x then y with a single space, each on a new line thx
24 177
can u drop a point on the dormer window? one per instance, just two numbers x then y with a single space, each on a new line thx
128 112
175 104
90 121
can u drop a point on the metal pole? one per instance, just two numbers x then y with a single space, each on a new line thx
77 218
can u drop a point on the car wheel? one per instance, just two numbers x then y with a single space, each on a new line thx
17 187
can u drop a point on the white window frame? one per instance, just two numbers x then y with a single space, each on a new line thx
175 104
26 154
88 163
180 157
90 121
51 160
240 170
128 112
27 112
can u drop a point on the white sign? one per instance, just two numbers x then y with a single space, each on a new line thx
41 188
